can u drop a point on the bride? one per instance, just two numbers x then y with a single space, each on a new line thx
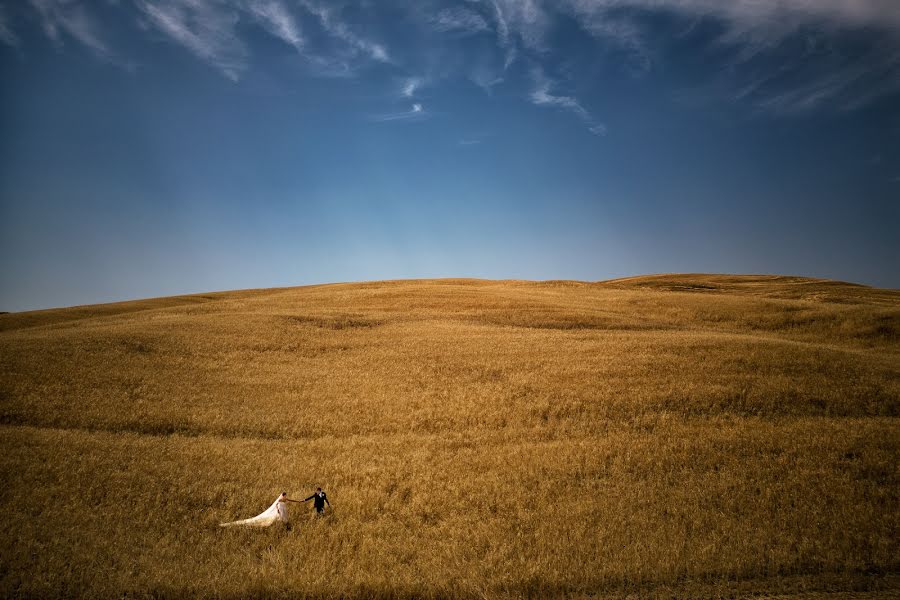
277 512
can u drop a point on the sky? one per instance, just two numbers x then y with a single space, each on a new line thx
179 146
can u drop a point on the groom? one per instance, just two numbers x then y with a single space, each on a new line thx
319 500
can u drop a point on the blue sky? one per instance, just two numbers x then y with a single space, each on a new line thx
158 148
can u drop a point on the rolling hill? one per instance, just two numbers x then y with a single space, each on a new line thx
668 436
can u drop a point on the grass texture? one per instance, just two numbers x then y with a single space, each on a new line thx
664 436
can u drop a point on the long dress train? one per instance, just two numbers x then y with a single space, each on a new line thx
273 514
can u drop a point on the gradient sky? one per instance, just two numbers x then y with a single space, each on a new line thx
157 148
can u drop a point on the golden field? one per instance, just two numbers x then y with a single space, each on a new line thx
666 436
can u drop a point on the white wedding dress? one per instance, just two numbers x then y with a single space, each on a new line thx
277 512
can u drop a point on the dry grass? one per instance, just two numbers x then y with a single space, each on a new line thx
665 436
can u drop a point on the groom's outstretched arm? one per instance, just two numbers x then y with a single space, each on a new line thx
308 499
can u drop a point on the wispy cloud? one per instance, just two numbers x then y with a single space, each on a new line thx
504 38
529 19
335 39
206 29
541 95
336 67
71 18
485 74
461 19
775 16
524 21
752 27
755 29
337 28
211 30
277 20
7 35
814 93
618 28
410 86
416 112
817 80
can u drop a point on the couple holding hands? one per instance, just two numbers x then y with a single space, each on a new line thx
279 510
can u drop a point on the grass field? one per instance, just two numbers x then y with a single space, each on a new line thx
665 436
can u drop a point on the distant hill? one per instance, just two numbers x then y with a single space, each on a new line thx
774 286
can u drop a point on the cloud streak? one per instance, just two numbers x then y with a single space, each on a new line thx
58 17
205 29
504 39
277 20
775 16
749 38
337 28
416 112
209 30
756 29
460 19
541 96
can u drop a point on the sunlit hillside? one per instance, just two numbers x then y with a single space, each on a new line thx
667 436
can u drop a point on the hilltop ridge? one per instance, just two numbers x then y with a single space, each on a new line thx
771 285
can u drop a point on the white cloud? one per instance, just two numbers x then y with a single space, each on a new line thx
772 15
416 112
520 20
753 28
210 29
277 20
207 29
847 85
410 87
504 39
60 16
459 18
528 19
213 30
614 27
541 95
341 31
